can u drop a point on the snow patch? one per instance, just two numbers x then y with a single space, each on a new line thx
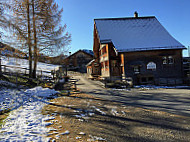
41 92
98 110
25 122
16 62
150 87
65 133
7 84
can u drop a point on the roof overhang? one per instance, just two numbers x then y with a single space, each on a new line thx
90 63
152 49
105 41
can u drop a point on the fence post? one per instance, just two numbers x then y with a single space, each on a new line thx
53 74
16 79
5 69
41 72
75 85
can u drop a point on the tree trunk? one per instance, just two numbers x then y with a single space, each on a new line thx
35 42
29 39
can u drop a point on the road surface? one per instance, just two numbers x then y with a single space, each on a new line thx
175 101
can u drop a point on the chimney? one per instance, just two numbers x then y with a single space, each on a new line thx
69 53
136 14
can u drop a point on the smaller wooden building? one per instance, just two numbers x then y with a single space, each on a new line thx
78 60
186 68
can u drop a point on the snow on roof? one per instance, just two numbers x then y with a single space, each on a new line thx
135 34
88 51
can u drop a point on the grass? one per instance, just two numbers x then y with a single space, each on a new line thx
25 82
3 117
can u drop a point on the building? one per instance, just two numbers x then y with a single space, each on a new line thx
186 68
136 47
78 60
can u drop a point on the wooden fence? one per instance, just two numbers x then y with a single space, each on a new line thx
14 69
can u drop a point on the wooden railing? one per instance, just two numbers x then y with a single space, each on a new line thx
25 71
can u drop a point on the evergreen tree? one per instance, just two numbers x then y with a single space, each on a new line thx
49 34
36 24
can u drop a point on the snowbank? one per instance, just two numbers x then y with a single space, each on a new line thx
12 98
149 87
16 62
41 92
7 84
25 122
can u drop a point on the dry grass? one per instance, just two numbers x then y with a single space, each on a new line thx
112 121
3 117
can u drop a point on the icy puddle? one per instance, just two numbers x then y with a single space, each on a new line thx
26 123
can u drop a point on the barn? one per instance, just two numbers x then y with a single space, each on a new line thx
78 60
136 47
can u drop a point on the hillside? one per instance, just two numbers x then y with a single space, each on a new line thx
23 63
7 50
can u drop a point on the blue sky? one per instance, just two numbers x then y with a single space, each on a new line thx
79 14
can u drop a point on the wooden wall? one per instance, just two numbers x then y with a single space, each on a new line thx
163 71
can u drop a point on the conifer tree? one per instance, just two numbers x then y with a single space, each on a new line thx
49 34
38 28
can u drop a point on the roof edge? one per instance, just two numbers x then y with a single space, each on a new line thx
105 41
125 18
152 49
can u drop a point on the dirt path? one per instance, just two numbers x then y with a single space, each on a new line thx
169 100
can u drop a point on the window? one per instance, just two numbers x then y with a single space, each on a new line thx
103 50
170 60
136 69
164 60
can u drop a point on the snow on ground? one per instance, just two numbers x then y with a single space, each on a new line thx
16 62
5 84
149 87
25 122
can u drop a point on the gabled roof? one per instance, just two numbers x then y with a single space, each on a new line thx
135 34
86 51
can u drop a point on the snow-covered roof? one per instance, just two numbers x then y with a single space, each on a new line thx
135 34
88 51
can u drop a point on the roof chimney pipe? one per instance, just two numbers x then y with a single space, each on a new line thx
136 15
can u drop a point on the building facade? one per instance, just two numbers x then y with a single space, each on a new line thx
78 60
